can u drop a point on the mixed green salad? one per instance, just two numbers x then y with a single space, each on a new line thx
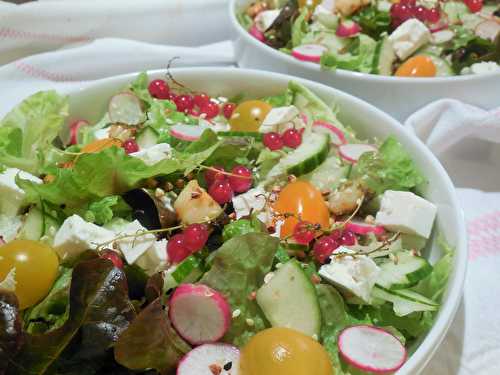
404 38
199 234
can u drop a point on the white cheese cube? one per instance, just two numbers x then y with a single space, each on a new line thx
152 155
408 37
355 274
155 259
278 116
9 227
136 244
11 195
76 235
405 212
253 200
484 67
266 18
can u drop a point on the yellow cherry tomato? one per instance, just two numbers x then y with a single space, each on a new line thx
284 351
309 3
35 266
249 115
303 199
417 66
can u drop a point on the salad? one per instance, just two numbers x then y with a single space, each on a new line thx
406 38
197 234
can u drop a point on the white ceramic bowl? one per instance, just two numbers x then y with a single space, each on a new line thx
91 100
397 96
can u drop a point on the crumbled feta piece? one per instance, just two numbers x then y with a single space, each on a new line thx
152 155
384 5
253 200
137 244
266 18
442 36
76 235
11 195
408 37
278 116
102 133
484 67
356 274
405 212
9 282
155 259
9 227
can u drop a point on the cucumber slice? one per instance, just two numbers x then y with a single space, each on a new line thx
188 271
384 57
309 155
34 225
328 174
147 138
231 133
407 272
289 300
404 301
443 67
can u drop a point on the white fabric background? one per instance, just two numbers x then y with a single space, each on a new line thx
60 43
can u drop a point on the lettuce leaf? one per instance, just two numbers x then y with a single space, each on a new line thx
300 28
104 210
242 226
27 132
359 57
373 22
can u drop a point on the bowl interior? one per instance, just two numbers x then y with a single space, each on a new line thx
91 101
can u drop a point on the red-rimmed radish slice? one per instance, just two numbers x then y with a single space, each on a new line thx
353 151
257 34
188 133
348 29
337 136
304 118
438 26
209 359
371 349
487 30
199 313
73 130
360 227
309 52
125 108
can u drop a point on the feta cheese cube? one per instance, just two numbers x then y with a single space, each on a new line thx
152 155
405 212
253 200
484 67
76 235
266 18
9 227
408 37
278 116
133 247
155 259
11 195
355 274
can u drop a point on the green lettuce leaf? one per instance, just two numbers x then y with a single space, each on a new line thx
11 335
373 22
27 132
359 57
300 28
238 269
104 210
242 226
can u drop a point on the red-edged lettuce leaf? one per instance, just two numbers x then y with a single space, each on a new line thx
11 335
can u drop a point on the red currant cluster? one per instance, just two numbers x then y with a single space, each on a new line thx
222 187
130 146
474 5
406 9
191 240
290 138
326 245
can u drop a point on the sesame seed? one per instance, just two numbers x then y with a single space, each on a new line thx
236 313
249 322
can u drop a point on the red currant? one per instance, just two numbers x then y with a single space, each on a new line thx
195 112
176 248
114 257
200 100
323 248
348 238
243 183
433 15
221 191
273 141
420 13
292 138
336 234
195 237
212 175
184 103
159 89
228 110
474 5
172 96
130 146
210 110
303 233
401 12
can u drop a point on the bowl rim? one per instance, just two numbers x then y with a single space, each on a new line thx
343 73
436 334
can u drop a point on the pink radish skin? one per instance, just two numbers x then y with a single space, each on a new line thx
125 108
353 151
257 34
199 360
309 52
390 355
189 133
73 130
337 136
348 29
360 227
439 26
199 313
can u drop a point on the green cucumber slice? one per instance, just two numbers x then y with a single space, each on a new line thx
232 133
384 57
147 138
34 225
188 271
289 300
328 175
407 272
404 301
443 67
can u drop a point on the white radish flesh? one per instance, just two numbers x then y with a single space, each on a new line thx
360 227
210 359
73 130
337 136
309 52
125 108
189 133
199 313
353 151
371 349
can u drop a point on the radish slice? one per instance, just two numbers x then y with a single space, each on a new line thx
337 136
188 133
438 26
199 313
210 359
125 108
353 151
371 349
73 130
309 52
348 29
257 34
487 30
360 227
